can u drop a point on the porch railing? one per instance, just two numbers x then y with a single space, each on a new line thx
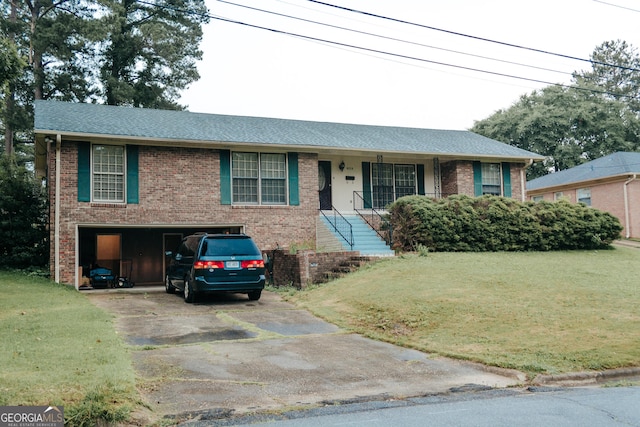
340 225
376 220
380 200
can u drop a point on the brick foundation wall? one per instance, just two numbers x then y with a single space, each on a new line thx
305 267
179 187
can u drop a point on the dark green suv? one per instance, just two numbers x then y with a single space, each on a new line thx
216 263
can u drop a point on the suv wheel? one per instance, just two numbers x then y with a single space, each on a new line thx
254 295
189 293
168 287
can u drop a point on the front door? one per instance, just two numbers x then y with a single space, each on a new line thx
324 184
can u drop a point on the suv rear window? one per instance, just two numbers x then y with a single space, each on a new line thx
229 246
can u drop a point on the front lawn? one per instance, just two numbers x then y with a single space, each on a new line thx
59 349
539 312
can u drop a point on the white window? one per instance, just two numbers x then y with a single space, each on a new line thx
491 179
259 178
558 195
537 198
108 169
584 196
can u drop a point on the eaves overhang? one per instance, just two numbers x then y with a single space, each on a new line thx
319 149
581 183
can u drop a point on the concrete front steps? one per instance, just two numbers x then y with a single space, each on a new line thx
365 239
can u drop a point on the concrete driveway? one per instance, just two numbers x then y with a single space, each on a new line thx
228 355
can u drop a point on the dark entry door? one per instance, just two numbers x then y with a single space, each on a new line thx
324 184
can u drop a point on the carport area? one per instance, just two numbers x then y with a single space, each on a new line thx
137 253
228 355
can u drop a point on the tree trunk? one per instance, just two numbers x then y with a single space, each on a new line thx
10 96
35 55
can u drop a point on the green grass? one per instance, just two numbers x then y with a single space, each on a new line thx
59 349
536 312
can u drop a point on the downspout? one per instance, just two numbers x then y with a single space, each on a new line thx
627 225
523 181
56 226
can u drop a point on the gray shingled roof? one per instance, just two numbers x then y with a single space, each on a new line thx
616 164
102 120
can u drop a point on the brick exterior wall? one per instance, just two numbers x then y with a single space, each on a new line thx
517 192
179 187
608 197
457 178
449 178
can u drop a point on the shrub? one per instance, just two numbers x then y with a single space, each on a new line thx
492 223
23 218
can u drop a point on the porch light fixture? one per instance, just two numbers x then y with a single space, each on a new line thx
341 166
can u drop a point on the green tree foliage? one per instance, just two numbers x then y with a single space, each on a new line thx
492 223
10 62
620 83
11 66
121 52
573 125
151 51
23 217
52 38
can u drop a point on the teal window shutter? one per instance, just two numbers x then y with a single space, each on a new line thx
225 177
420 178
294 195
477 178
506 179
366 184
84 172
132 174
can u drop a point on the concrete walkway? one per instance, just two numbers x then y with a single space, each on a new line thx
627 243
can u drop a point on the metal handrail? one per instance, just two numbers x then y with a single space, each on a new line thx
341 226
359 200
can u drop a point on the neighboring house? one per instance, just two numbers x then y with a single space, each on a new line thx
610 183
126 184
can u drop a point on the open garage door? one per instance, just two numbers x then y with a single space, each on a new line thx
135 252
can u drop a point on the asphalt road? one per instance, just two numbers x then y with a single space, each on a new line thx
584 407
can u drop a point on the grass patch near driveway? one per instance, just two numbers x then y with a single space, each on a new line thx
59 349
536 312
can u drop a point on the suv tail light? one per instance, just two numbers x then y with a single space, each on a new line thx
255 263
208 264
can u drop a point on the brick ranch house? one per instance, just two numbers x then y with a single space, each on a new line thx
129 183
610 183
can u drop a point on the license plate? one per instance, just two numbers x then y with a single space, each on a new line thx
233 264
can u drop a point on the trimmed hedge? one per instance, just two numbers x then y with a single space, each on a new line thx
491 223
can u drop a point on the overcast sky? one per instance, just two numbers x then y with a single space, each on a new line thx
256 72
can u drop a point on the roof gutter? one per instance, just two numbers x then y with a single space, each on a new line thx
627 224
142 140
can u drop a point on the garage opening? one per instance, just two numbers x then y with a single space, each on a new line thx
137 253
